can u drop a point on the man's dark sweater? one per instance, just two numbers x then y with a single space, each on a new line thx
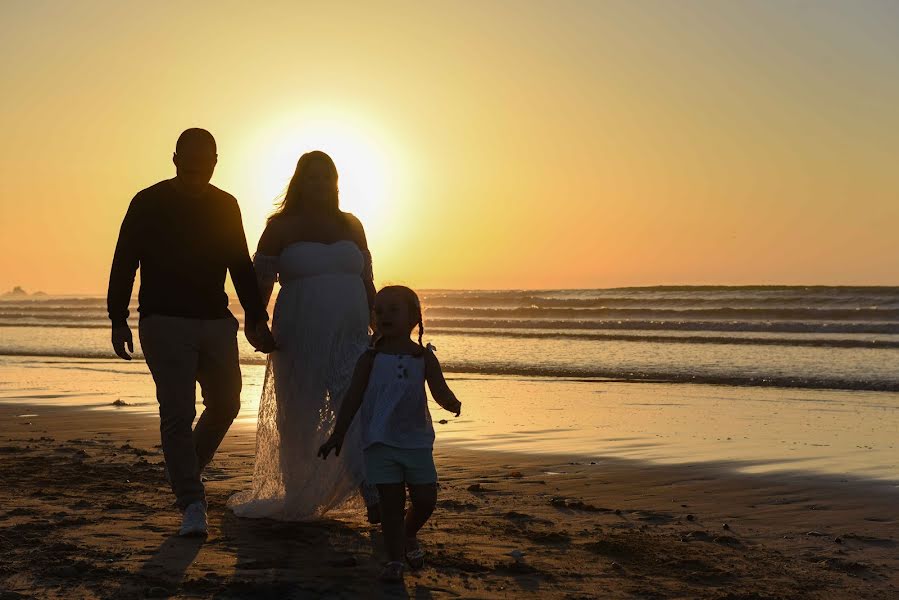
184 246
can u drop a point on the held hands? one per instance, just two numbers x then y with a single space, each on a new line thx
121 337
335 442
260 337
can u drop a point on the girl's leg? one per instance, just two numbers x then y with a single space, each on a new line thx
424 499
393 502
369 494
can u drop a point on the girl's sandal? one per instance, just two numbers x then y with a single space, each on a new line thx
415 557
393 572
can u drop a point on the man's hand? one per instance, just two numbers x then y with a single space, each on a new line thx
121 337
260 337
456 408
450 404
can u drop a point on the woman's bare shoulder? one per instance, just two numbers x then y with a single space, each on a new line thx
273 236
355 229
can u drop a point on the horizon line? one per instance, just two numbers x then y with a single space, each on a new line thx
696 286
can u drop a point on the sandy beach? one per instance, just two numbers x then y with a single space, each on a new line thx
645 253
87 514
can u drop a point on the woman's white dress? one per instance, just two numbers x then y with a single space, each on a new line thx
320 325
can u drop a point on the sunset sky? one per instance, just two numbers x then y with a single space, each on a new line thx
483 144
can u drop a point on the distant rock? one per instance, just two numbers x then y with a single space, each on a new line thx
15 292
19 292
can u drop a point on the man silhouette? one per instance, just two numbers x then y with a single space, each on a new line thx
185 234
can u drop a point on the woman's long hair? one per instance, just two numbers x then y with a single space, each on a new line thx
293 198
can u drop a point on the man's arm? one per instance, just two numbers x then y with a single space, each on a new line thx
241 268
121 279
124 265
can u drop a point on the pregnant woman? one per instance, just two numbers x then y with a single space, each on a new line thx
320 257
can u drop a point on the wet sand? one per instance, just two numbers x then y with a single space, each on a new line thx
86 513
753 429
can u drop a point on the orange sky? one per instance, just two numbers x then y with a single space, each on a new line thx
484 145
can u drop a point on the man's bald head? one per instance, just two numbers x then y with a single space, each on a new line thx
195 139
195 158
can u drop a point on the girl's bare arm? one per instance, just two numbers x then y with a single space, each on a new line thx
441 392
350 405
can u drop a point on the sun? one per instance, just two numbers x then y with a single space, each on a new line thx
360 156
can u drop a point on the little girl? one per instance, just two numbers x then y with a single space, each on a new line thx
397 435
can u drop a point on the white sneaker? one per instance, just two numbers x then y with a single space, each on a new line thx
194 521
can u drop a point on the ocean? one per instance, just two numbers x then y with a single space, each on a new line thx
815 337
754 379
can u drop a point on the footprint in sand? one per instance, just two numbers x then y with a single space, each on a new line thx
548 538
871 541
525 518
456 506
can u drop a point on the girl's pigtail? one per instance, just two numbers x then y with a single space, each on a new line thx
421 332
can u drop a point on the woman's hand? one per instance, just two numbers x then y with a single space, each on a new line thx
260 337
334 443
